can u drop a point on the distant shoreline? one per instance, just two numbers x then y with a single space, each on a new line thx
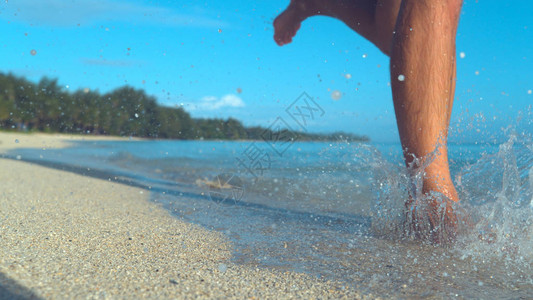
47 107
136 138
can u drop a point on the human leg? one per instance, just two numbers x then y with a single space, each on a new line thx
423 80
423 52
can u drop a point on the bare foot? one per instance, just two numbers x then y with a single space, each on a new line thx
436 216
443 220
288 22
374 22
432 218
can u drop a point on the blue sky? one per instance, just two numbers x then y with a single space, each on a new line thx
218 59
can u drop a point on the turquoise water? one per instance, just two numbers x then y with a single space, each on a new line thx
331 209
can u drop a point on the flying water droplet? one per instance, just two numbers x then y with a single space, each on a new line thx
33 52
462 55
336 95
401 77
222 268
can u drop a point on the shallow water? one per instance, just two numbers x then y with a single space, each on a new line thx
332 209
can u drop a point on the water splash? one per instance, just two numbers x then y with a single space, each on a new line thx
498 190
495 211
402 210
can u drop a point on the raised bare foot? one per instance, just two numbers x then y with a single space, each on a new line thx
288 22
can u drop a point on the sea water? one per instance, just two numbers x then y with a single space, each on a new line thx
332 209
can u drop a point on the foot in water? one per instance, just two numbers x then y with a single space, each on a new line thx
435 216
432 218
289 21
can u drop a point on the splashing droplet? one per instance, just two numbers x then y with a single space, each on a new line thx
364 55
336 95
348 76
530 92
16 141
33 52
222 268
401 77
462 55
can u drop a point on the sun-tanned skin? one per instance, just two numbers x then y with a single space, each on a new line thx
419 38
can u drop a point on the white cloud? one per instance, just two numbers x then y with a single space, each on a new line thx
84 12
208 103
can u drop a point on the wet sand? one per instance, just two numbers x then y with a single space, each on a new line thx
63 235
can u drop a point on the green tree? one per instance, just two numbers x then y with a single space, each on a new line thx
125 111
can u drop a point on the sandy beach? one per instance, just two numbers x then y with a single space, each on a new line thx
67 236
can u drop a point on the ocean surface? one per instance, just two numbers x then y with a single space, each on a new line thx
333 209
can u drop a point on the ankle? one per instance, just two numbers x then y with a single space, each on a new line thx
442 186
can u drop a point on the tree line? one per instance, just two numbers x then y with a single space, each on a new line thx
47 107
